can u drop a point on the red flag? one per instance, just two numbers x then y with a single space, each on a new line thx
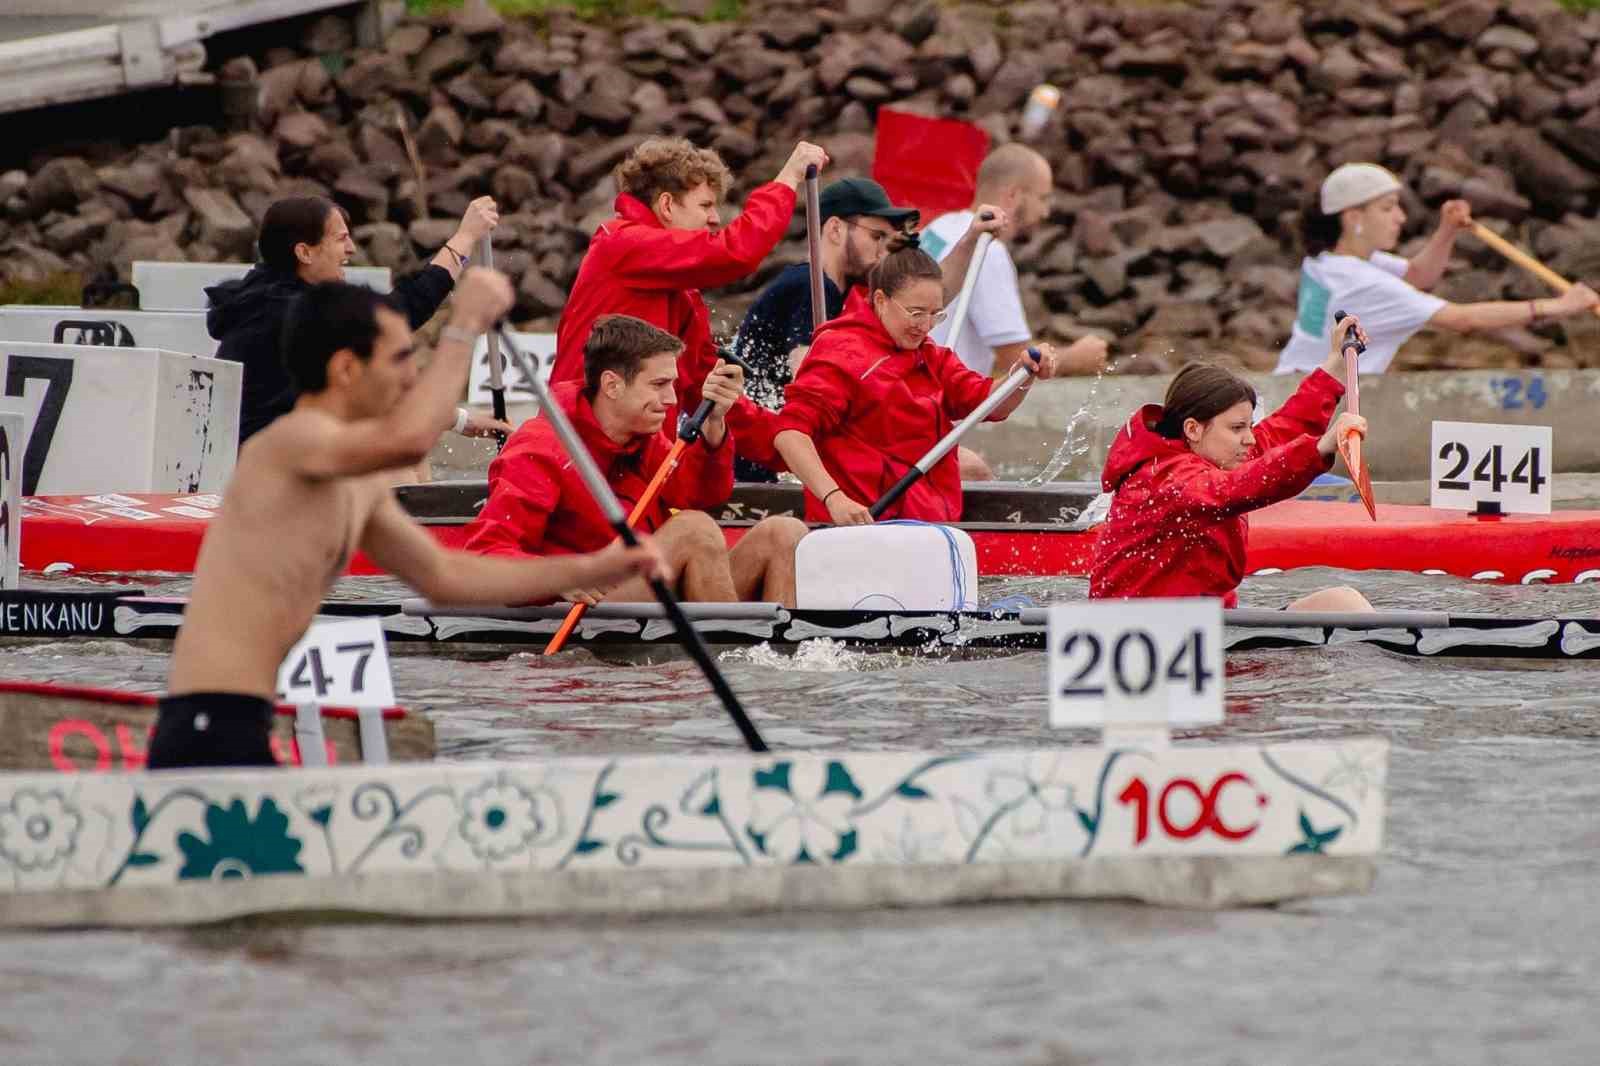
928 163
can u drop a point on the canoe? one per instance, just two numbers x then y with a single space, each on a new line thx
1186 825
416 625
77 729
1400 405
1017 531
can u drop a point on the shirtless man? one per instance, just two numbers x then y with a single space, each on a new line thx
310 489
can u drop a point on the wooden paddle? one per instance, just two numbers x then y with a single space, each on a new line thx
1350 443
1522 259
819 310
996 397
688 432
595 481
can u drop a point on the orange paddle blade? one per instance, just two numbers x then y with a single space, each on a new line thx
664 471
1350 449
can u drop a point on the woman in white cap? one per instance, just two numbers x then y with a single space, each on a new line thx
1349 267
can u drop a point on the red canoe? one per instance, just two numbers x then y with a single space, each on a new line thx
116 533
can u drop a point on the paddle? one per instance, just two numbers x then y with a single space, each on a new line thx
814 248
996 397
497 384
688 432
1522 259
1350 444
958 314
595 481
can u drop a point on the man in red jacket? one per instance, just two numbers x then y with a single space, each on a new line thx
665 245
538 504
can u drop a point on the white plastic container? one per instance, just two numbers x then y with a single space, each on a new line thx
888 566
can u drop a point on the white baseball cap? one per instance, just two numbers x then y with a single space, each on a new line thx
1354 184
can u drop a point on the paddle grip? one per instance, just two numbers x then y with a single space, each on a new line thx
689 424
1351 341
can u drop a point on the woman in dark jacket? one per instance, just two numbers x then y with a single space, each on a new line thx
305 241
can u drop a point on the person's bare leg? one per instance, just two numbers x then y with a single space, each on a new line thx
974 467
1338 598
698 553
762 562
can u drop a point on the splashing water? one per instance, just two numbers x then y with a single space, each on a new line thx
821 656
1072 446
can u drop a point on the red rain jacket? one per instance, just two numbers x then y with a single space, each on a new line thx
1177 525
538 504
636 266
873 409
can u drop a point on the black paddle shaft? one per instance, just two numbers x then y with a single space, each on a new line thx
607 500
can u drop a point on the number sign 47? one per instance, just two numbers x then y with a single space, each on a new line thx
1136 662
339 663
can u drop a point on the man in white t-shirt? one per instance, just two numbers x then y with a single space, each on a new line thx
996 332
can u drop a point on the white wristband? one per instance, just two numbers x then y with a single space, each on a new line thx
461 420
457 333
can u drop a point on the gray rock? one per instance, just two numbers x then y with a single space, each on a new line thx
374 74
301 129
540 294
520 100
430 234
220 221
443 56
1518 42
365 198
514 186
1544 174
62 183
408 41
439 134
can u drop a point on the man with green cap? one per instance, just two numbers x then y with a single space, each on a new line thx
859 227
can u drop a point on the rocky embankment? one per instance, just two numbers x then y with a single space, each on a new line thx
1187 138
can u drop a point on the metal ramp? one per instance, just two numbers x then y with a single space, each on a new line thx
59 51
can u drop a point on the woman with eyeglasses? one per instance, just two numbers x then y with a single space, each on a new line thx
874 395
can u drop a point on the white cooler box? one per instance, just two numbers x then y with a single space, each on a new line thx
890 566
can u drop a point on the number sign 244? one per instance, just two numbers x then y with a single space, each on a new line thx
1491 468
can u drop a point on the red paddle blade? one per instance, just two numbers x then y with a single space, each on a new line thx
928 163
1350 449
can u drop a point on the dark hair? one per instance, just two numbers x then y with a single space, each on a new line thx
621 344
1319 232
898 269
1202 392
324 319
297 220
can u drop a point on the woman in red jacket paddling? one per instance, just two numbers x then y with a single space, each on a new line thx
874 395
1186 472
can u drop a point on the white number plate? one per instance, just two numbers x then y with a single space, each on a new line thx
338 664
1509 465
1136 662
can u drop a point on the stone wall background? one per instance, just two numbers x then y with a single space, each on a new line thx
1187 138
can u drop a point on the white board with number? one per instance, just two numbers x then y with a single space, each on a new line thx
1508 465
338 663
1136 663
540 348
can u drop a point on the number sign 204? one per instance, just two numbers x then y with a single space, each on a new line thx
1508 465
339 663
1136 662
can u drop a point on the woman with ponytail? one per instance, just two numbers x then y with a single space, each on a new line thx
874 395
1186 472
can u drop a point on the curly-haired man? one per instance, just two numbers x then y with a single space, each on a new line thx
666 244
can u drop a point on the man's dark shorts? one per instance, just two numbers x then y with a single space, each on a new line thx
212 729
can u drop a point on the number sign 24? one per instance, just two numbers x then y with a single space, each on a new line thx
1509 465
340 663
1136 662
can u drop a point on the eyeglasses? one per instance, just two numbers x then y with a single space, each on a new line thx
879 236
917 318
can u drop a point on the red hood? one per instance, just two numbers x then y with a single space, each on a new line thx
606 452
1135 444
859 318
633 209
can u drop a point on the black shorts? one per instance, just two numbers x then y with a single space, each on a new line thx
212 729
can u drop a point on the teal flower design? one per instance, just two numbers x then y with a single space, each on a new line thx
803 811
1316 840
38 830
239 847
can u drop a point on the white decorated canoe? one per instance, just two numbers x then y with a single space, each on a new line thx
1205 826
